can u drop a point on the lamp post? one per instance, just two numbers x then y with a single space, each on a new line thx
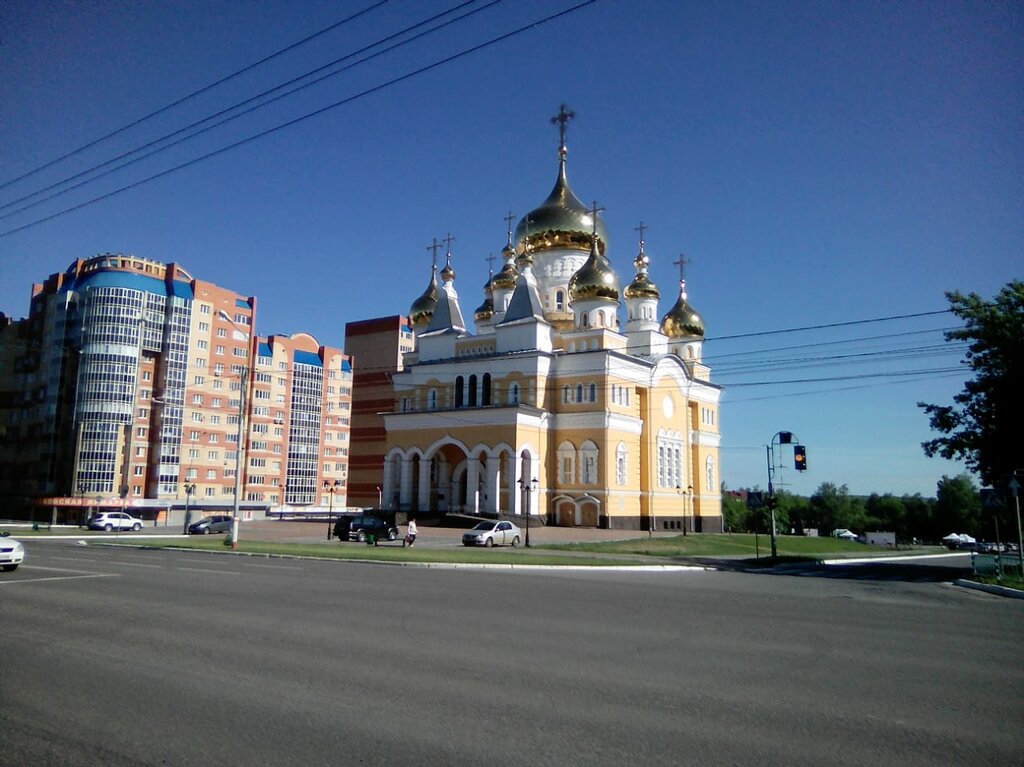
331 489
244 376
687 498
528 486
190 488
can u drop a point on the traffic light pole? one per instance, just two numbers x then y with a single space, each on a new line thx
800 462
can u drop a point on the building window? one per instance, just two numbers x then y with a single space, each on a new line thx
593 392
709 480
513 394
588 463
579 392
485 397
432 399
459 391
566 463
620 464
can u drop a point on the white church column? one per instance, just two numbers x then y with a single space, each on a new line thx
473 484
405 486
423 499
491 483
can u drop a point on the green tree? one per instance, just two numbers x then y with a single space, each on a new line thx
985 424
832 507
735 513
957 505
887 512
921 517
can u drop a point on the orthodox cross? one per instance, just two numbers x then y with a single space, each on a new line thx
433 246
681 263
642 228
594 210
490 264
508 220
562 120
448 240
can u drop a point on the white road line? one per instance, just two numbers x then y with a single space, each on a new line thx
276 567
214 572
60 578
57 569
113 562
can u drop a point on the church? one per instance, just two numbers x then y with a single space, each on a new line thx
571 400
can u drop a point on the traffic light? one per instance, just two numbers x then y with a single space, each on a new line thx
800 457
785 437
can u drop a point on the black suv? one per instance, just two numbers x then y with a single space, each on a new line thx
360 528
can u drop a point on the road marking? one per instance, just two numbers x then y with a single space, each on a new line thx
276 567
56 569
133 564
214 572
60 578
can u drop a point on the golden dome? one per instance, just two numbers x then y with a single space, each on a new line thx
506 277
682 321
422 308
641 286
561 221
595 279
448 274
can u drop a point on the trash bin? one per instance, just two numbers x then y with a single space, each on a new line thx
371 539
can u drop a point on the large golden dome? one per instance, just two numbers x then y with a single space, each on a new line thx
682 321
422 308
595 279
561 221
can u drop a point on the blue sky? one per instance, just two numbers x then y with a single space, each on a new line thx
820 163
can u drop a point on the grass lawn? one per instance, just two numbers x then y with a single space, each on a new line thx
396 553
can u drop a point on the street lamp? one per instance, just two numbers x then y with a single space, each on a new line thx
331 490
528 486
190 489
244 376
687 498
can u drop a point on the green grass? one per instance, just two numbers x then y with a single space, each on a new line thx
392 553
734 545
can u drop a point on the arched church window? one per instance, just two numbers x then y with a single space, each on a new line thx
485 394
559 301
709 480
579 392
459 391
513 394
472 391
432 399
593 392
565 394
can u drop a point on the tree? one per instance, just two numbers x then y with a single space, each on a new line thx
985 425
832 507
957 505
887 512
734 512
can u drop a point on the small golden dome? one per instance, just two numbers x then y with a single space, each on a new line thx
682 321
595 279
485 311
641 286
448 274
422 308
506 277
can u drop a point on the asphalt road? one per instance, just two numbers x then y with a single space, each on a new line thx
144 657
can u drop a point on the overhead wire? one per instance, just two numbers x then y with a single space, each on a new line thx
309 115
238 105
193 94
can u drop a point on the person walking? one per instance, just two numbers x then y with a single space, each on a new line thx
410 536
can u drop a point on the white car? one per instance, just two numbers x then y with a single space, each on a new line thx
12 553
109 520
489 534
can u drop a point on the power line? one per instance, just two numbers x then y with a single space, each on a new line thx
829 325
307 116
195 93
238 105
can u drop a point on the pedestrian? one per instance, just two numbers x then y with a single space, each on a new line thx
410 536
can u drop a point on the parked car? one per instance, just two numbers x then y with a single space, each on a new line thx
109 520
489 534
360 528
12 553
218 523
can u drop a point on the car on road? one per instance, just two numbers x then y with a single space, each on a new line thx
218 523
493 533
12 553
111 520
361 528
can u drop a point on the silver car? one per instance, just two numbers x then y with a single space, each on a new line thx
499 533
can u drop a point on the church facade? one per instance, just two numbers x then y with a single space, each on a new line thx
573 401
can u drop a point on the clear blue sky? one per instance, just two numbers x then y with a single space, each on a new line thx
820 163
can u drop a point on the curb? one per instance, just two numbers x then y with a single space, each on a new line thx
1001 591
